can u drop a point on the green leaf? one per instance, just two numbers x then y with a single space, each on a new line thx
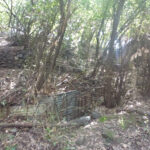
103 119
3 102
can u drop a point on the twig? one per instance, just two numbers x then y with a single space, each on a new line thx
16 125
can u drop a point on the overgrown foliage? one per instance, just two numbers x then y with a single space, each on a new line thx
88 34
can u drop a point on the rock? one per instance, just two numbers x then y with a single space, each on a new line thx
13 130
82 121
80 141
124 145
95 115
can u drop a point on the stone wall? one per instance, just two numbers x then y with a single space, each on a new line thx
66 104
62 106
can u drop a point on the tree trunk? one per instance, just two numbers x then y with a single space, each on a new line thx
116 21
99 59
110 93
50 61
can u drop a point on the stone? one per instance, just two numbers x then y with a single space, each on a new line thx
124 145
80 141
13 131
82 121
95 115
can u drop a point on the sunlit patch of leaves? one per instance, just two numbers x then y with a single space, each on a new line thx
103 119
122 122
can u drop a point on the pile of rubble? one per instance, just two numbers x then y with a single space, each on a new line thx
11 56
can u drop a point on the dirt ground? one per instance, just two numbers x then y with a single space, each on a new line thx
112 131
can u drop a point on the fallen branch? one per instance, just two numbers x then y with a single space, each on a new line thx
76 123
16 125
